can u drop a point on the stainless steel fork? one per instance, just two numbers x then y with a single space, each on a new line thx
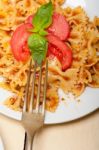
33 116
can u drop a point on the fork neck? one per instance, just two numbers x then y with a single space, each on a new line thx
28 141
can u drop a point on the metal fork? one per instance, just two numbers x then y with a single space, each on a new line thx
33 117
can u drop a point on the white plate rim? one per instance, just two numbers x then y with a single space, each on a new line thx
60 122
77 108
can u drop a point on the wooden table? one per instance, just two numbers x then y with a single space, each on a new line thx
82 134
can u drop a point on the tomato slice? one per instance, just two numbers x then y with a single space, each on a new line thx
57 43
52 50
67 59
59 27
19 45
59 49
29 19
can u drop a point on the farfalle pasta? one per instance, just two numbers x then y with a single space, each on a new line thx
83 40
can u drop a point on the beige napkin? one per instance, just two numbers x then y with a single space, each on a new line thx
78 135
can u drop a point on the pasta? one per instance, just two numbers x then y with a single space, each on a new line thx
84 41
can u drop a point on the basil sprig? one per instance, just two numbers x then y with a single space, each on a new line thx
43 17
37 41
38 46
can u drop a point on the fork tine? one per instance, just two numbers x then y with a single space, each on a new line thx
27 89
45 88
39 89
33 88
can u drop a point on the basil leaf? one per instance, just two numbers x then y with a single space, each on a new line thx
43 32
38 46
43 17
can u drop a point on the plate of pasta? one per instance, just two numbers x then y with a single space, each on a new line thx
67 34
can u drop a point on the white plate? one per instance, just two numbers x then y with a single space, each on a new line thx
70 109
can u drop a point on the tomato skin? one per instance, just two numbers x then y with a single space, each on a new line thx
59 49
56 42
59 27
67 60
29 19
18 42
53 51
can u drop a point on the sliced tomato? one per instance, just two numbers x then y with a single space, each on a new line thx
19 45
59 49
52 50
29 19
67 59
57 43
59 27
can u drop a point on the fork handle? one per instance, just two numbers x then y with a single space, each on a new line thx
28 140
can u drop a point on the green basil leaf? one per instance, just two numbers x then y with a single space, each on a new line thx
38 46
43 32
43 17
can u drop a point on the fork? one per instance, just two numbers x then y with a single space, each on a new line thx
33 116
